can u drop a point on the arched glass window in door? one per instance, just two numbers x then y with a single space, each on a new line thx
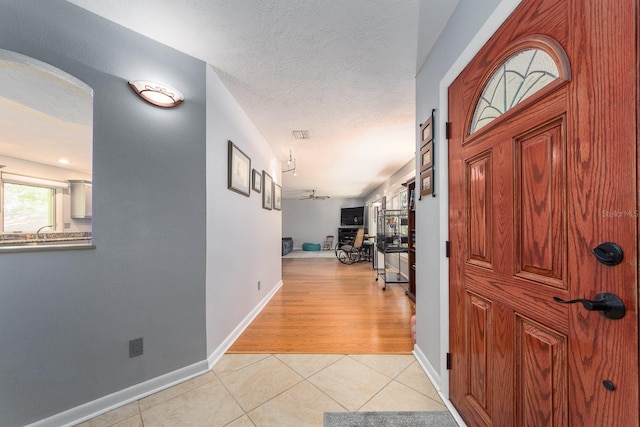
519 77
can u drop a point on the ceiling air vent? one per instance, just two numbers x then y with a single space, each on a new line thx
301 134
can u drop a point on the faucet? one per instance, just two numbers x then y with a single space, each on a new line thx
38 236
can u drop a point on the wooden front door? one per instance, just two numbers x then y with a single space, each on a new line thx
542 169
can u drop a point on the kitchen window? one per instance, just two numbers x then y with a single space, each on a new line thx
27 208
28 203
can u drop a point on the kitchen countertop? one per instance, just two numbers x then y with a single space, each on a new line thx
12 242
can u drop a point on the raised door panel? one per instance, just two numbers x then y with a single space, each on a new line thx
541 376
479 210
540 204
479 342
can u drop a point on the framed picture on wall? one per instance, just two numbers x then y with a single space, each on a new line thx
277 197
239 171
267 191
426 157
257 181
426 131
426 183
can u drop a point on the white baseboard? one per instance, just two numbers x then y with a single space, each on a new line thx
427 367
235 334
435 379
115 400
112 401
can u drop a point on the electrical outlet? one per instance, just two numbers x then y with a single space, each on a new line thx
258 284
135 347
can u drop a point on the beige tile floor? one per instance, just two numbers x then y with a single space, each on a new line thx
282 390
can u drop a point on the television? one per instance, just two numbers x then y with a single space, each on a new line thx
352 216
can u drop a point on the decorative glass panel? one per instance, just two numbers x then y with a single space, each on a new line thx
522 75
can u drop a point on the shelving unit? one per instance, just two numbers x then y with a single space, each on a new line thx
391 241
411 239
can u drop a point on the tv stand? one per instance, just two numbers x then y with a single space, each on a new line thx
347 234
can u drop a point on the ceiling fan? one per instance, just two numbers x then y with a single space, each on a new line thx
313 196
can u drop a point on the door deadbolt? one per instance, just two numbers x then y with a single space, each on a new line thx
608 253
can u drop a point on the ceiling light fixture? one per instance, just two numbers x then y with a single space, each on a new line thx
291 165
157 94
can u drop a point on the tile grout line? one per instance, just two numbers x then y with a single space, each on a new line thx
366 366
402 383
219 378
304 379
396 380
244 412
417 391
380 372
330 398
375 394
140 412
267 355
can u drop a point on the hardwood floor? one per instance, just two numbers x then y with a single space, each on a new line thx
325 306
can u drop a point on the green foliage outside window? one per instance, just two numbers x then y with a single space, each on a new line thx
27 208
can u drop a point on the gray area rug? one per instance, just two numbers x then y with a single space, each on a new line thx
390 419
311 254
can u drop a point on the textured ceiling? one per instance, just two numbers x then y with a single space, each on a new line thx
342 69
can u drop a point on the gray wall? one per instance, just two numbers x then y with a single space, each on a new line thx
311 221
66 317
463 25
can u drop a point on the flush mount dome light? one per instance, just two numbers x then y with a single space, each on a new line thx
157 94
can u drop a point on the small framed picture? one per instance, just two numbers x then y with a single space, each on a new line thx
426 183
426 157
426 132
239 171
277 197
257 181
267 192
